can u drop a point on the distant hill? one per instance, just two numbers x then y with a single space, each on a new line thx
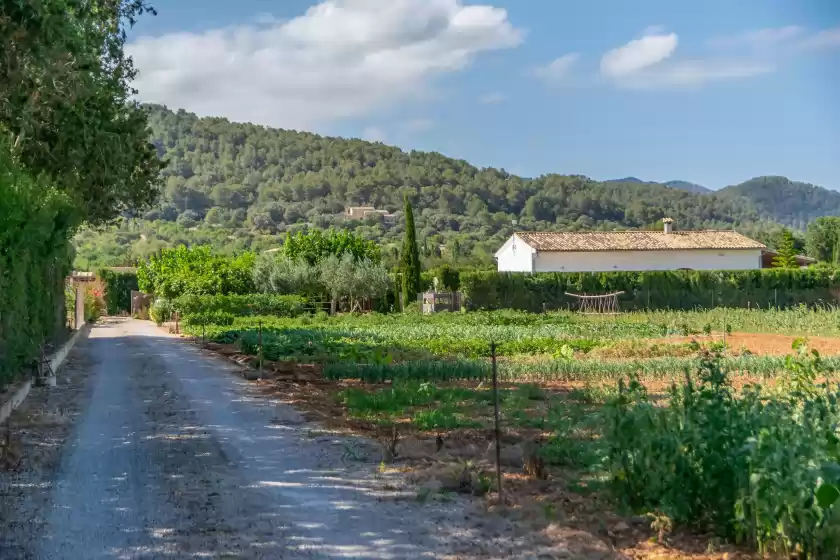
780 199
242 186
679 185
686 186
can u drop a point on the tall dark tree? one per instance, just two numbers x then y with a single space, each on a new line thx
66 103
786 253
410 259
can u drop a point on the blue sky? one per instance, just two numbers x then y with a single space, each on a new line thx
712 91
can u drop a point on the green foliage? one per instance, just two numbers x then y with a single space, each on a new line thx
195 271
244 186
118 288
752 467
786 252
410 259
242 305
34 260
161 310
822 240
210 318
278 274
315 245
73 147
654 290
66 103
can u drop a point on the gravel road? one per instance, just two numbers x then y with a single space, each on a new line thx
177 457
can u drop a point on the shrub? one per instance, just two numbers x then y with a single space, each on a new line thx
35 224
243 305
161 311
212 318
751 466
196 271
679 289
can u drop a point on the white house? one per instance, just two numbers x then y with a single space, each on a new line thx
605 251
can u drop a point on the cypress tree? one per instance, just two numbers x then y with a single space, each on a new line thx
786 253
410 259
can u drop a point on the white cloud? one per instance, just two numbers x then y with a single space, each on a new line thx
374 134
825 39
342 58
759 38
694 73
558 69
638 55
492 98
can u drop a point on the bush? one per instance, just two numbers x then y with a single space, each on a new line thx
196 271
679 289
35 225
212 318
118 288
750 466
161 311
243 305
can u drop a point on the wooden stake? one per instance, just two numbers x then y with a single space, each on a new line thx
496 416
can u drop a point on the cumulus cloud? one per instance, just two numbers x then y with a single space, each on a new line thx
340 59
651 63
558 69
638 55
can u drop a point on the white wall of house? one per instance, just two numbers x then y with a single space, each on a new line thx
606 261
515 256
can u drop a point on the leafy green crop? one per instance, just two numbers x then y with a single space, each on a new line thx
753 467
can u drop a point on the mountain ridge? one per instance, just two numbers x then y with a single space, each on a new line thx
243 186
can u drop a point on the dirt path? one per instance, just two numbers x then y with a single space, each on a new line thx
176 457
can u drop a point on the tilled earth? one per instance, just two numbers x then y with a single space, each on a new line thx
150 449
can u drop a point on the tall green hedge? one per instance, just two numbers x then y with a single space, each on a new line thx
679 289
35 257
118 287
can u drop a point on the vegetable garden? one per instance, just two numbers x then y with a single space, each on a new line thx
655 412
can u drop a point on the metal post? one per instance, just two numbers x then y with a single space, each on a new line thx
203 331
261 350
177 326
776 298
496 416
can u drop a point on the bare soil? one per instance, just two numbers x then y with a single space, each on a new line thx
763 344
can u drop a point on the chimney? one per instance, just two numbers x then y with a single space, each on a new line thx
668 224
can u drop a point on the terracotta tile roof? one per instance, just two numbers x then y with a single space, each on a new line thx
637 240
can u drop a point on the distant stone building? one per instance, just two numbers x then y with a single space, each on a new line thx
362 212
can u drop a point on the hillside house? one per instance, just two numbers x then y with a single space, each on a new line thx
609 251
362 212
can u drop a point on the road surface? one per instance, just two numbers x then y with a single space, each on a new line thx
176 457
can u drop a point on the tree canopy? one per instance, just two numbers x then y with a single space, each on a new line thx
65 102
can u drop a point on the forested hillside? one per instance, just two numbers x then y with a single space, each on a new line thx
790 202
241 186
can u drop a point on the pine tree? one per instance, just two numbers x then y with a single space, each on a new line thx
410 259
786 253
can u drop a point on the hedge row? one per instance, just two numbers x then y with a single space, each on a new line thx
118 287
35 258
679 289
243 305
